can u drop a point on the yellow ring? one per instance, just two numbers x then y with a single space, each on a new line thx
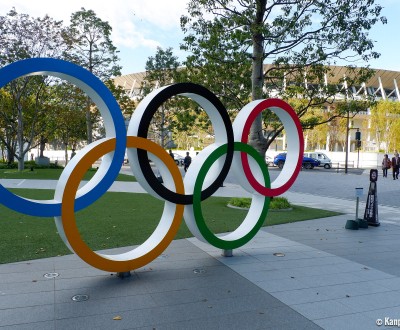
108 263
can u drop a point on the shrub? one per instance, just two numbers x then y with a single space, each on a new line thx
27 164
277 203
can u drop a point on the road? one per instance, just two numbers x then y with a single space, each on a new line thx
330 183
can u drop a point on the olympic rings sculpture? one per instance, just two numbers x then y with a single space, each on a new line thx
182 196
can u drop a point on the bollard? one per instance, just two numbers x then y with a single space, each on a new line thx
361 222
123 275
227 253
357 223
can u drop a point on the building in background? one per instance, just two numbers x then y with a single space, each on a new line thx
383 86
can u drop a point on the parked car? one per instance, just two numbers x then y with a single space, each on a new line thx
324 159
269 161
178 158
308 163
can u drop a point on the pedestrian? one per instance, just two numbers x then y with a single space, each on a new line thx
73 153
386 164
187 161
396 155
395 166
171 154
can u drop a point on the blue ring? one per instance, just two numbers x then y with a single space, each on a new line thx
83 79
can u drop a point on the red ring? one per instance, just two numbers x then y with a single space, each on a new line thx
245 161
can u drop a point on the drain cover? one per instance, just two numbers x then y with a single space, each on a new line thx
199 271
279 254
80 297
51 275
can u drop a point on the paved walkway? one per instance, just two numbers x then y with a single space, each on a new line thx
329 278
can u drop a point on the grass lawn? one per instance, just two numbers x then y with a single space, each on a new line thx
50 174
116 220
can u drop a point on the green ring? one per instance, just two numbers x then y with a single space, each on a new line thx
198 215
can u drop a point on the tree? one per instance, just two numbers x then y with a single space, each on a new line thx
90 46
315 138
8 134
231 39
22 37
126 104
385 124
69 121
161 70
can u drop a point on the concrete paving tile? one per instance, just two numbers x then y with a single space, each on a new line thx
16 316
372 301
265 275
323 309
173 314
349 266
242 320
27 287
239 260
177 255
326 280
318 254
203 246
113 288
182 264
281 285
47 325
294 297
227 280
316 270
272 248
209 293
76 263
348 322
253 267
389 283
160 319
100 322
289 255
351 289
372 275
27 266
26 299
23 277
382 313
287 263
184 273
82 282
101 306
83 272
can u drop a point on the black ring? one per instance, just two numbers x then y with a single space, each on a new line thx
154 104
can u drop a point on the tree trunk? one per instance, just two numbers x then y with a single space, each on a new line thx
42 145
256 138
89 126
20 138
10 157
66 154
162 126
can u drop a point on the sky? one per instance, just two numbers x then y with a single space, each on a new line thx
139 26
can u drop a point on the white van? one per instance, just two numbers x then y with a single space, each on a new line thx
324 159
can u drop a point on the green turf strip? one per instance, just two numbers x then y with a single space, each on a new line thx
116 220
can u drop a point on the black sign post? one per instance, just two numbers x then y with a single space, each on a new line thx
371 207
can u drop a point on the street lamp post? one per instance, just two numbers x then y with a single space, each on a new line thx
347 140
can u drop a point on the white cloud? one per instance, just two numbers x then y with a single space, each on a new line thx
134 22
